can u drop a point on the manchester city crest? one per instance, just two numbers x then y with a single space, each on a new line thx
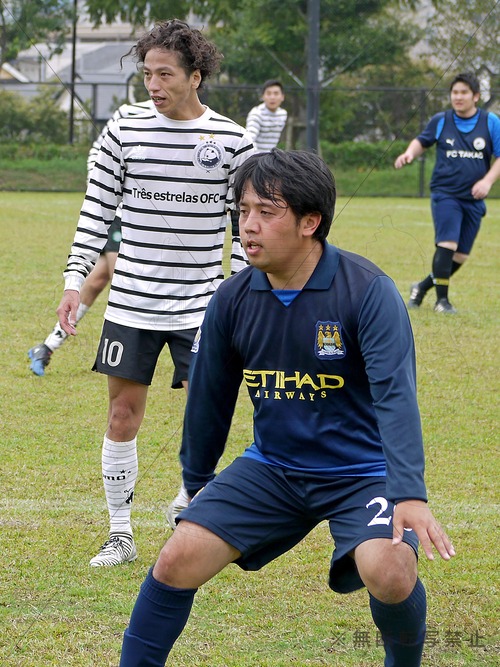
328 342
209 153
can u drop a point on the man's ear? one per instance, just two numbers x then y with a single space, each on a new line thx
310 223
196 79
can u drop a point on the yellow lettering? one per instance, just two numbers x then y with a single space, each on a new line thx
306 379
280 380
330 381
250 379
292 378
277 396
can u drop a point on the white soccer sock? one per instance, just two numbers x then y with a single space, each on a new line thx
119 473
57 337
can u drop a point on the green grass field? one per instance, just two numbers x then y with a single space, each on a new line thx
55 610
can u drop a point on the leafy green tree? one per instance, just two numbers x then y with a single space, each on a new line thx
37 121
464 36
264 39
25 22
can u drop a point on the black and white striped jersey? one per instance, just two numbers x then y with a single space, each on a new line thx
173 181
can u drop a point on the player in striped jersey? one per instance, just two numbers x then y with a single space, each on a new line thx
170 169
266 121
101 274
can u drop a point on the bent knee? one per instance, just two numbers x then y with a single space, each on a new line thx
388 571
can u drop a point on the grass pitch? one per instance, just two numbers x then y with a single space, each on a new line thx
55 610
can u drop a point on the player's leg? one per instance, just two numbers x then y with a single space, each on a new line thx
128 356
471 224
119 462
448 215
192 556
364 555
248 514
447 218
397 598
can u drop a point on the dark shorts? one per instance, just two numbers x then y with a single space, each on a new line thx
457 220
132 354
263 511
114 236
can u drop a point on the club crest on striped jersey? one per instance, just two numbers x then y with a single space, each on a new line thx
328 341
138 152
209 153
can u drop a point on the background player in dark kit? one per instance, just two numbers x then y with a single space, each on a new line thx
322 340
466 138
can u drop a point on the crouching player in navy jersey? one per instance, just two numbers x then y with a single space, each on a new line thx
466 139
321 338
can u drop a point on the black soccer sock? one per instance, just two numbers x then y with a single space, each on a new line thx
158 618
455 266
402 627
441 271
427 283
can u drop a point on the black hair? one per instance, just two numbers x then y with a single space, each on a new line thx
299 178
470 79
272 82
194 50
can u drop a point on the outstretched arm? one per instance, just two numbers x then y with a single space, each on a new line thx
415 514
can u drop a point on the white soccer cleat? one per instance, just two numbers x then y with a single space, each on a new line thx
115 551
180 502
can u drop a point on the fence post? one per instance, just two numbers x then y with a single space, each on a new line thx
423 118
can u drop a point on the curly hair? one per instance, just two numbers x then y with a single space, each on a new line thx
194 50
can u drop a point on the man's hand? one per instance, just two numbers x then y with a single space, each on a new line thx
415 514
67 309
481 189
403 159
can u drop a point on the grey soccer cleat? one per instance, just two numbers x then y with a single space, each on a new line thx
444 306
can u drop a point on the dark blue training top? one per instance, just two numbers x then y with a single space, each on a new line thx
464 147
331 377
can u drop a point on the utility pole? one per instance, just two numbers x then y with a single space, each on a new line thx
312 109
73 74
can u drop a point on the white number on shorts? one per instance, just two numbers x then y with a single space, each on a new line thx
112 352
377 519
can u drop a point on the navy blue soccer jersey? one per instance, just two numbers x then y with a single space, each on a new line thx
331 377
464 148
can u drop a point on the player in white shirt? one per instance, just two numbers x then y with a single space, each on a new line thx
266 121
170 169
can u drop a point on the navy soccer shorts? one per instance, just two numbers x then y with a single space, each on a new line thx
264 510
132 353
457 220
